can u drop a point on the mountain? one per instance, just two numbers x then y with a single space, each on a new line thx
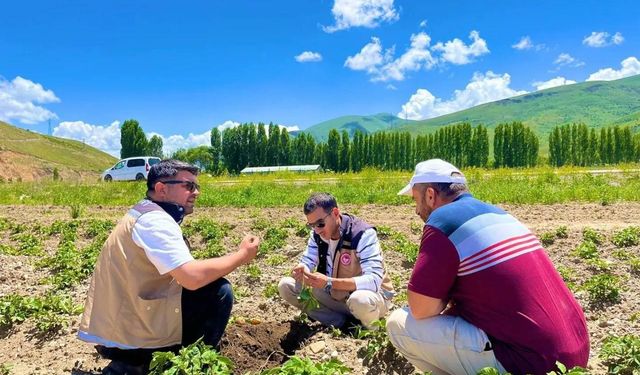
28 156
367 124
597 104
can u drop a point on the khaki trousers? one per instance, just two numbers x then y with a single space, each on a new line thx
364 305
441 344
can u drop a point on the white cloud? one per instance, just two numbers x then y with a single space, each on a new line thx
482 88
228 125
565 59
105 138
456 52
361 13
423 23
617 38
368 58
415 58
383 68
175 142
554 82
525 43
391 87
601 39
19 99
630 67
289 129
308 56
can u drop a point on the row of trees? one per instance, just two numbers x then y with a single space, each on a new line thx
134 142
575 144
258 145
514 145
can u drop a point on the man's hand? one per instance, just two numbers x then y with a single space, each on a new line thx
249 247
315 279
298 271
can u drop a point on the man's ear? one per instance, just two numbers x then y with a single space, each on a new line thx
159 188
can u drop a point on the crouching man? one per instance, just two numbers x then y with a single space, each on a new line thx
483 292
147 292
342 264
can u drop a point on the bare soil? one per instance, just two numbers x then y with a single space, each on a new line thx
265 331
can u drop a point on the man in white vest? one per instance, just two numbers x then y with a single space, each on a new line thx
147 292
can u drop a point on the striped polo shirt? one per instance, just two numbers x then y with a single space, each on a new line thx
501 280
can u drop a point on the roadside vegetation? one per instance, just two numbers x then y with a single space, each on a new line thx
523 186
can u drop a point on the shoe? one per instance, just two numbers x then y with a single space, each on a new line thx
122 368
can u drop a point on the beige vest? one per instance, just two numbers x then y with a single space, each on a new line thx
129 304
351 269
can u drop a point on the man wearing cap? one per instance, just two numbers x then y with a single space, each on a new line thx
342 264
483 292
147 292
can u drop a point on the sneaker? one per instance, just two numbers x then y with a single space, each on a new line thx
122 368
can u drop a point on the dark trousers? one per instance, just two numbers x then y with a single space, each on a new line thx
205 313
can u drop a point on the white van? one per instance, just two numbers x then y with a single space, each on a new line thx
128 169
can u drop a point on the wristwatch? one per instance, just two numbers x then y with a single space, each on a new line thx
327 288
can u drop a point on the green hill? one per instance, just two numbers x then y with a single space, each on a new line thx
29 156
597 104
367 124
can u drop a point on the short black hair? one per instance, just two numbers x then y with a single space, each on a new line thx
168 168
324 200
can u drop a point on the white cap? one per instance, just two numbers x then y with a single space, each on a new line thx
434 170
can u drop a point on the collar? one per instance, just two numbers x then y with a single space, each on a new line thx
174 210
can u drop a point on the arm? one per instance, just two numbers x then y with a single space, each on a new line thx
161 238
198 273
433 275
423 307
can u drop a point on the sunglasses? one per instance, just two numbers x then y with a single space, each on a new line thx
318 224
189 185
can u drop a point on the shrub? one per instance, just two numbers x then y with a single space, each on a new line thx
627 237
589 234
253 272
604 288
51 312
377 338
96 227
599 265
274 238
197 358
586 250
270 291
276 260
547 238
562 232
304 366
621 354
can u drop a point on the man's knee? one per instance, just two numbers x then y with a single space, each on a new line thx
396 322
225 293
286 287
361 301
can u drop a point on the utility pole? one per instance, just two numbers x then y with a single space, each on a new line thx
49 126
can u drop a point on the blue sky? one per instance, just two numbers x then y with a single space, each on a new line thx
181 68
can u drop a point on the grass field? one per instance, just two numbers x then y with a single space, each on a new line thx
522 186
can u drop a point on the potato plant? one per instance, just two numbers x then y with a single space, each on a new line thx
197 358
621 354
304 366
